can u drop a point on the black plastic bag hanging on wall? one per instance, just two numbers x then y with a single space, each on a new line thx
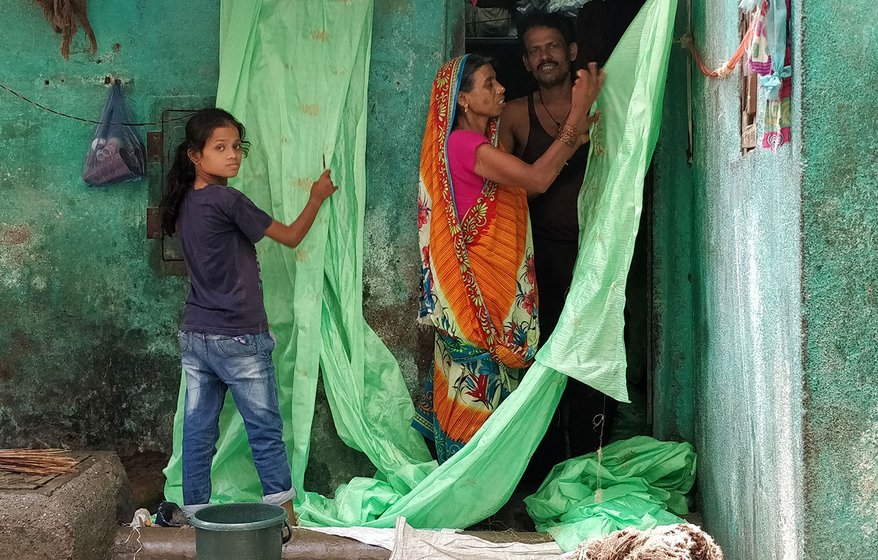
116 153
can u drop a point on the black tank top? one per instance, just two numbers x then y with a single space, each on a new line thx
553 214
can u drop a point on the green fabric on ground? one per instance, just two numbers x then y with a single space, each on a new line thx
473 484
641 481
295 74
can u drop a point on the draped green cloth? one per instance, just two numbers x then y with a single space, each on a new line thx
295 73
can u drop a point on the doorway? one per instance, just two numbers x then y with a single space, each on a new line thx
491 31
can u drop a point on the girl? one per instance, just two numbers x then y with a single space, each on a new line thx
224 339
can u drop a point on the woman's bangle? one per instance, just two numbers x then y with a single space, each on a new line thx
567 135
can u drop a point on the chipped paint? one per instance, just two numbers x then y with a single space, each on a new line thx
87 351
866 470
81 288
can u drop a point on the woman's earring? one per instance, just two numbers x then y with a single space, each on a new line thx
466 107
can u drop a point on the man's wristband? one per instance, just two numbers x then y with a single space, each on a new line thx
567 135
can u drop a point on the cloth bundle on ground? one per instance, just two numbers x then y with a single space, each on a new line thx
639 482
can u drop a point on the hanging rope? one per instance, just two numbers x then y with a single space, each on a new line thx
60 114
725 69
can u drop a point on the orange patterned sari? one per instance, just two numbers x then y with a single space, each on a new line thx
477 285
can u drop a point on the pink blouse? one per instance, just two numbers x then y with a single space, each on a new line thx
466 183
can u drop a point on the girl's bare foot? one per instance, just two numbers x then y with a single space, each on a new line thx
291 513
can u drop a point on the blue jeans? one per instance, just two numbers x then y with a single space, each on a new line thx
214 363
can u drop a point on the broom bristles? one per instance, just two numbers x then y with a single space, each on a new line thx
37 461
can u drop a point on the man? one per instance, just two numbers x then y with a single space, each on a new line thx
528 127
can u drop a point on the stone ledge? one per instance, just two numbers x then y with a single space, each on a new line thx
165 543
72 517
168 543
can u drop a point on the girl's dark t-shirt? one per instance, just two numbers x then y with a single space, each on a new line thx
218 228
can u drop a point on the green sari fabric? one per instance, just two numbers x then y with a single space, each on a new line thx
296 74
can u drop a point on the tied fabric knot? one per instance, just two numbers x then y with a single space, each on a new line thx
772 83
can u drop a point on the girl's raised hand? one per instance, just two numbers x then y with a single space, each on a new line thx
323 187
291 235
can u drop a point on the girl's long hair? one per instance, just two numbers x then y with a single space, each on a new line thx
179 179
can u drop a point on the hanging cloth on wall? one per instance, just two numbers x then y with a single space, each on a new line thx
302 95
769 55
64 15
638 482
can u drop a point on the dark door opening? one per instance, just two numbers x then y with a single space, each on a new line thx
491 31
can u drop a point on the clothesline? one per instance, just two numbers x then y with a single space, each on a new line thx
81 119
725 69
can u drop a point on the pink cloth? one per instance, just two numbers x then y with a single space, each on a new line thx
467 185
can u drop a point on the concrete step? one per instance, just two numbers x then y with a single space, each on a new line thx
178 543
64 517
168 543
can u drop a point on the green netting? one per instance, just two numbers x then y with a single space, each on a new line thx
296 74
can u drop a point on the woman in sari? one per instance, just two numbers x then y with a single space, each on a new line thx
478 287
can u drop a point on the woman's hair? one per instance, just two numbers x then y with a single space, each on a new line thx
472 64
179 179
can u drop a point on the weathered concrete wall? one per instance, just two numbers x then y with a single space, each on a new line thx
840 278
410 40
672 260
728 287
87 350
88 356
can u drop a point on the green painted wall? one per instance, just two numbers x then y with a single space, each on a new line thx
758 260
765 304
840 278
727 301
671 265
408 46
87 350
88 356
